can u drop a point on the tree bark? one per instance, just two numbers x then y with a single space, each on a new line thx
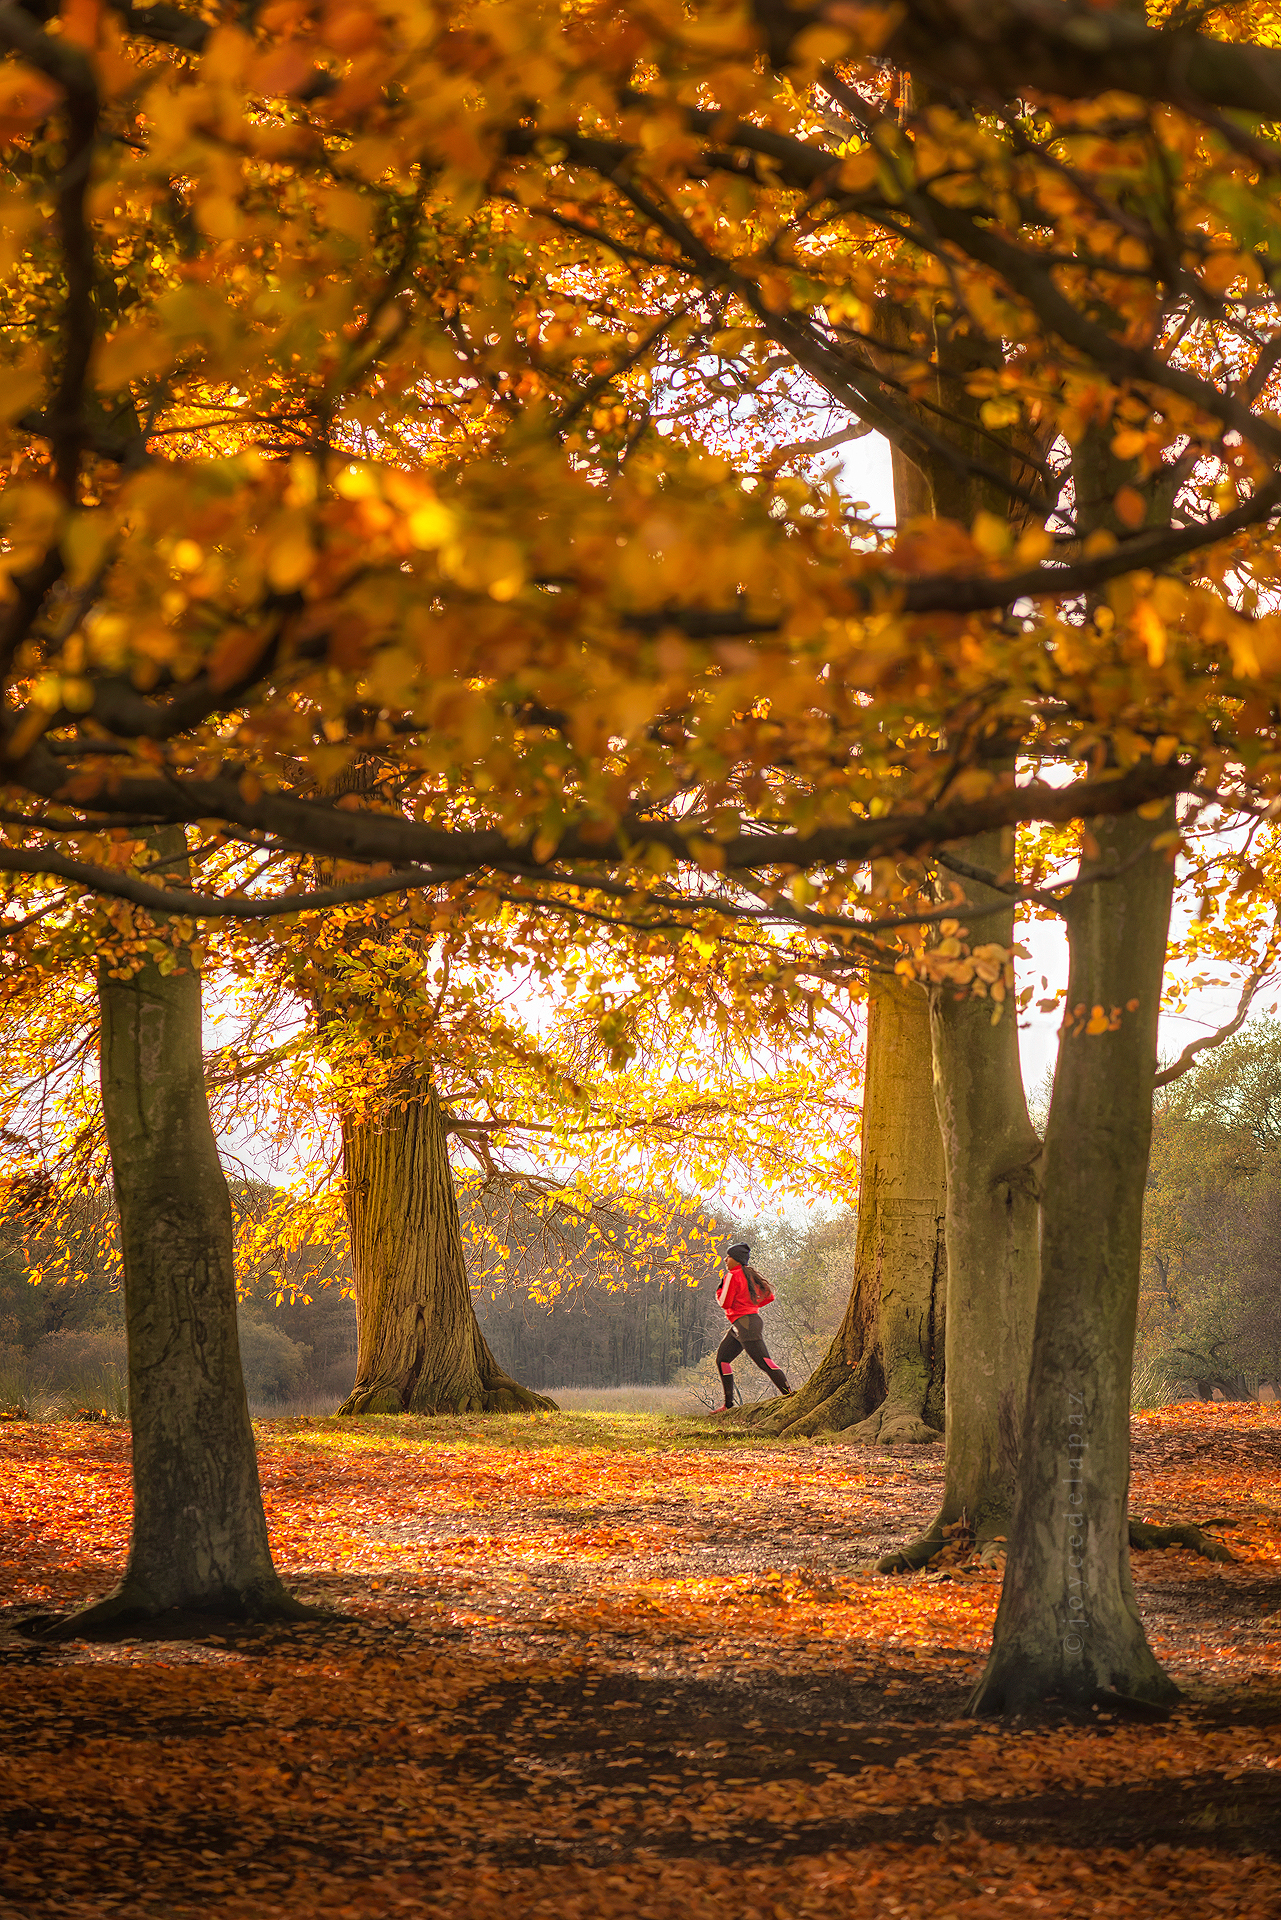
992 1162
419 1347
991 1152
199 1540
1068 1625
882 1378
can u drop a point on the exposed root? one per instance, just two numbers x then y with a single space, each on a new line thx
1144 1536
950 1546
916 1554
494 1394
119 1615
1017 1683
508 1396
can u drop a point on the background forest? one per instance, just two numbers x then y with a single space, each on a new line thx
62 1345
1209 1313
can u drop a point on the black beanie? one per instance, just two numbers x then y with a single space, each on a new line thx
740 1251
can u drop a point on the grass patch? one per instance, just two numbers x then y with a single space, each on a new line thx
521 1432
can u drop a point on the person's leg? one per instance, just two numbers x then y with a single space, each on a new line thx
753 1344
726 1354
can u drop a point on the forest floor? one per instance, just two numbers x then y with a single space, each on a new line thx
601 1667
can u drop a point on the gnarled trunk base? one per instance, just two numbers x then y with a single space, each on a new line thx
419 1347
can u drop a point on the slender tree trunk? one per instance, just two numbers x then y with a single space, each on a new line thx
882 1378
199 1538
419 1347
1068 1625
992 1159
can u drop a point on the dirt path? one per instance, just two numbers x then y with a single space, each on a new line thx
607 1668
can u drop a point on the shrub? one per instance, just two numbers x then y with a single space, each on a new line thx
273 1364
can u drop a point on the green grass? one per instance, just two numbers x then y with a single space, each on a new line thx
616 1432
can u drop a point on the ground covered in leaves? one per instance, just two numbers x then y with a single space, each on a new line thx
603 1667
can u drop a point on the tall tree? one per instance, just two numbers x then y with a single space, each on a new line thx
199 1540
882 1377
419 1347
239 553
1068 1624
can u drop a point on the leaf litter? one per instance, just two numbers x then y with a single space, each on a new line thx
602 1667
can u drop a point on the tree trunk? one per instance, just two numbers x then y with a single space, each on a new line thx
199 1538
992 1163
419 1347
1068 1625
882 1378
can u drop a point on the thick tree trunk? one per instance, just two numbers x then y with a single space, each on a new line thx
1067 1625
882 1378
992 1163
419 1348
199 1538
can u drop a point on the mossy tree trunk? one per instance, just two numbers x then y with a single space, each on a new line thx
199 1540
992 1158
882 1378
419 1347
991 1152
1068 1625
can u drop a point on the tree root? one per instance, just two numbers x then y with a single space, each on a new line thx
957 1542
119 1615
508 1396
494 1394
1144 1536
916 1554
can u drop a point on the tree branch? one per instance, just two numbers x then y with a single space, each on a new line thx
203 906
1187 1058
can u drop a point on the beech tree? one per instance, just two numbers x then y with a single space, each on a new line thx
882 1377
199 1536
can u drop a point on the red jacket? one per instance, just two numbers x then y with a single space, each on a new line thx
732 1294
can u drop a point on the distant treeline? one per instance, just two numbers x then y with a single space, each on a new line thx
1210 1311
618 1293
596 1298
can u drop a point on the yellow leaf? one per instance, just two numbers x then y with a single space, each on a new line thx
991 535
20 387
233 656
291 558
1150 628
1131 509
431 525
85 540
859 170
127 354
1129 443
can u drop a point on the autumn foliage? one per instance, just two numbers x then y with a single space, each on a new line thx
593 1668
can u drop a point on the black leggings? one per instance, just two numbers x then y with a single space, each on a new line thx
747 1335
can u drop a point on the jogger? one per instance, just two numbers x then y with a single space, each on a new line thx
741 1292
